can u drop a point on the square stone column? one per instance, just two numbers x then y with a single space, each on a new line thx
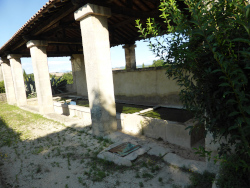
96 48
8 81
79 75
17 74
1 74
41 74
130 56
73 73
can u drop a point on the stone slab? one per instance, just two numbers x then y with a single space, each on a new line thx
195 166
157 150
126 160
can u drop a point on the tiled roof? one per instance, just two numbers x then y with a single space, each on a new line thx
35 16
55 23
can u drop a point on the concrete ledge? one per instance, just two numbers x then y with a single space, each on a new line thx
195 166
91 9
32 101
138 69
134 124
80 108
3 97
146 110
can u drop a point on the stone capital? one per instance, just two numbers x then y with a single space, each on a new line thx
14 56
32 43
90 9
4 60
131 46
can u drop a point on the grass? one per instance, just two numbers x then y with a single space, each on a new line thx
204 180
14 122
152 114
130 110
84 103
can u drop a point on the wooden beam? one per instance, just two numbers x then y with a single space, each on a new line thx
129 3
56 54
127 12
63 40
66 10
118 10
127 21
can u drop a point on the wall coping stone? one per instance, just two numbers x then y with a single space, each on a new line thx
139 69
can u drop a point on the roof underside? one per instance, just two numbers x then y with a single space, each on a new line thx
55 23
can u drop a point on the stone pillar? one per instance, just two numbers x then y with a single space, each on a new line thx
8 81
73 73
17 74
79 75
130 56
41 74
1 74
96 48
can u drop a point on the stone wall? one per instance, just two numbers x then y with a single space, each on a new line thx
71 88
142 86
3 97
146 85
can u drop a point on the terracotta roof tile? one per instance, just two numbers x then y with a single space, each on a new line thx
29 22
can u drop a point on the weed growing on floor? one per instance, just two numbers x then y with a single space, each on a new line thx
176 186
204 180
141 184
160 179
147 175
14 122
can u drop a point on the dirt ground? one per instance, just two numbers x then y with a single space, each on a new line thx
54 155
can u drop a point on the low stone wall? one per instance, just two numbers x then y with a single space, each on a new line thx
32 102
73 110
141 86
168 131
3 97
134 124
146 85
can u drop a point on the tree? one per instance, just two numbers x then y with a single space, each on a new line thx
208 54
69 77
157 63
25 76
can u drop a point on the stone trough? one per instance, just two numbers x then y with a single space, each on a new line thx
135 124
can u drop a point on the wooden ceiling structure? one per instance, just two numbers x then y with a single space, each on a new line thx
55 23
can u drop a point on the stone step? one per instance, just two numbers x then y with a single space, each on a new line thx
194 166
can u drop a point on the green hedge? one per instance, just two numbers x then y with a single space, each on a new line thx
2 88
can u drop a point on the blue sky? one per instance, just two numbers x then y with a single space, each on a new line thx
15 13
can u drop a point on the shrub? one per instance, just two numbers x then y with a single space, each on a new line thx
69 77
157 63
2 88
208 54
58 85
204 180
231 175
